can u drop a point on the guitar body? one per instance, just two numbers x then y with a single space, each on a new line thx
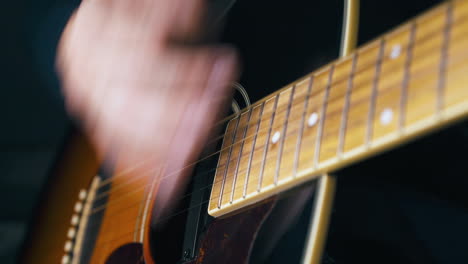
93 214
236 238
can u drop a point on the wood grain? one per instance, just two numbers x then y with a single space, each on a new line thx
122 222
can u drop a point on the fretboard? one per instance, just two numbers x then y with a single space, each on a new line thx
405 84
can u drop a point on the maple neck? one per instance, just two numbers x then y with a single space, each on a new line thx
409 81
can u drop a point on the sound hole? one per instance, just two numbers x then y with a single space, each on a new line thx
129 253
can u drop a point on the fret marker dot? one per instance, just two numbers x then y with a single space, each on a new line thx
275 137
396 51
386 116
313 118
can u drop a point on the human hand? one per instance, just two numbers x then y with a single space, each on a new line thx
138 94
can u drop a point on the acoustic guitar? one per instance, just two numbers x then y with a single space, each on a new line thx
275 158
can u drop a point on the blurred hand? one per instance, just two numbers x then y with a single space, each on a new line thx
139 95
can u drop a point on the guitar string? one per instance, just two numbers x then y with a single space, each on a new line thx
364 68
211 170
118 186
458 71
159 221
271 158
97 209
265 116
289 150
131 233
167 218
164 219
229 160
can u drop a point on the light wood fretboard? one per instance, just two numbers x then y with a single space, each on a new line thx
409 82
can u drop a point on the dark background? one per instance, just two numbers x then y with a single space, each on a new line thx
279 41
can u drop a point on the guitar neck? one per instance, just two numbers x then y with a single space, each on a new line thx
406 83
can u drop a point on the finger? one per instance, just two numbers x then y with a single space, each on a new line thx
204 68
218 87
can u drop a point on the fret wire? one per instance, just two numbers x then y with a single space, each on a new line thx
301 129
426 36
370 117
227 165
249 164
265 151
283 134
444 58
344 115
457 60
462 19
322 118
406 77
389 89
240 155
